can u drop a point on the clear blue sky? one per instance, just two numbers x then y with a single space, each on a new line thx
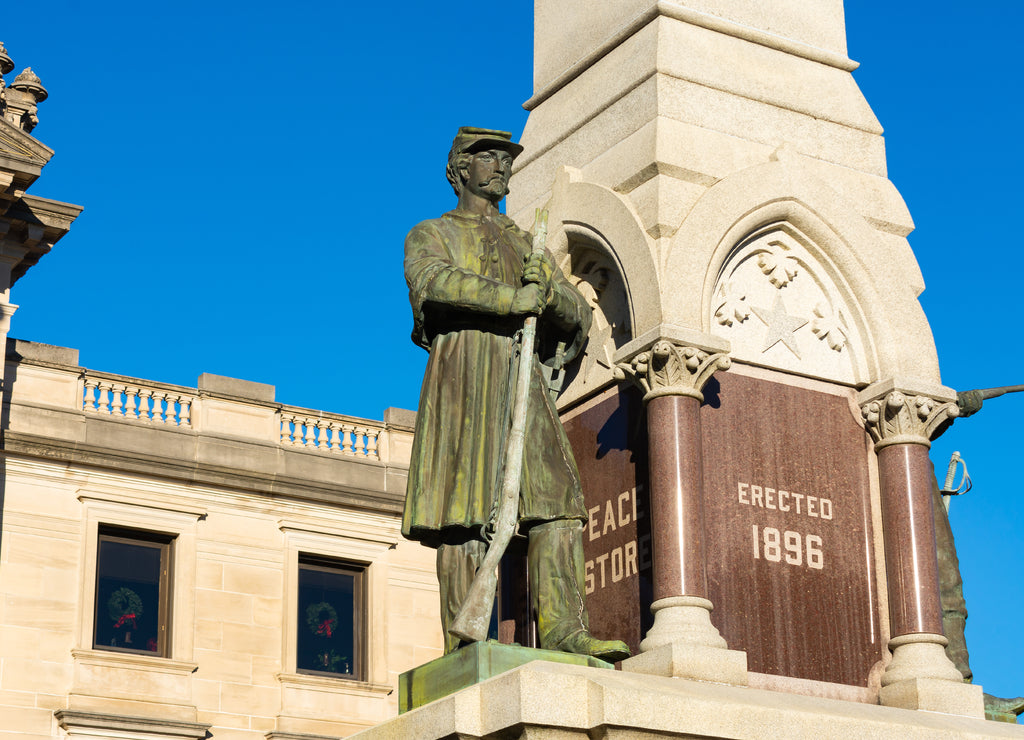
249 171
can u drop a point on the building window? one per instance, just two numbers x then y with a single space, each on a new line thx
330 619
132 592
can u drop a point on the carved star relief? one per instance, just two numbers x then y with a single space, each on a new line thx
780 326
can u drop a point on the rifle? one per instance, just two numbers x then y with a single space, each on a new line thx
474 617
969 402
987 393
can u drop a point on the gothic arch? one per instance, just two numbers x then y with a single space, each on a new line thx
878 283
598 241
586 211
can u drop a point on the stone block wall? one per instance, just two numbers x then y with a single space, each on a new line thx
238 531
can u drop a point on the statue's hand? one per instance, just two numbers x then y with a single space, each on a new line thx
538 271
969 403
529 299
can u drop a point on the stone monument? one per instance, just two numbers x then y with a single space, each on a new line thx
763 297
753 411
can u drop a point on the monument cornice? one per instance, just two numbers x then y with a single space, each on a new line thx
678 12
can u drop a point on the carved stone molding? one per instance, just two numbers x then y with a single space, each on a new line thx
92 724
902 418
6 312
672 369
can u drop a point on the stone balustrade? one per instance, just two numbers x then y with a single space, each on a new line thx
160 403
50 378
156 403
329 433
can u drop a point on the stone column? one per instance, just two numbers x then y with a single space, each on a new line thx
920 675
682 642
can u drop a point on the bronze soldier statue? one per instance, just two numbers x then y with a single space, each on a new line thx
472 282
951 586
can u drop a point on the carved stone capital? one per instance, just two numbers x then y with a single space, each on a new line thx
904 418
672 369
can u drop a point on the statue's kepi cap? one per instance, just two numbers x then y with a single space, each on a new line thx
471 139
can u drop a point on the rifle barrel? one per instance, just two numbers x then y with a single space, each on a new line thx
987 393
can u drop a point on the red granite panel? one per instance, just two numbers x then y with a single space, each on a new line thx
610 444
790 562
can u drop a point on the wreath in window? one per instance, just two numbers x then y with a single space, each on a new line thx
124 606
322 619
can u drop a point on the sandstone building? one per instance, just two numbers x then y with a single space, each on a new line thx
180 562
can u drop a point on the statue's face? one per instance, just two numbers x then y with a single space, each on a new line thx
488 173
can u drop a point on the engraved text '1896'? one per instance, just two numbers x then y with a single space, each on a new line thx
794 548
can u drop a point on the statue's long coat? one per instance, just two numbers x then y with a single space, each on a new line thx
462 271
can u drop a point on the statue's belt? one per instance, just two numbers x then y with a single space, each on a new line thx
505 326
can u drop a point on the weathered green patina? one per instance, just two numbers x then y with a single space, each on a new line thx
462 270
472 282
471 665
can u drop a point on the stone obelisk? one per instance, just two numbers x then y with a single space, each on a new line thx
717 180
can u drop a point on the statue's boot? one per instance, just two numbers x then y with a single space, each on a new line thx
583 643
1003 710
555 558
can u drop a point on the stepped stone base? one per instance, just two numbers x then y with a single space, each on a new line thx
551 701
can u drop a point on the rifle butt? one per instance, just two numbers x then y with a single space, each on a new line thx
474 618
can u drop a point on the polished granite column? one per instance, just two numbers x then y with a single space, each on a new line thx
920 675
682 641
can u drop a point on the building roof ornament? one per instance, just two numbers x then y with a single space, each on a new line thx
18 100
29 82
6 63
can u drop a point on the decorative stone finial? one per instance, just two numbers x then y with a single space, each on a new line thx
29 82
19 100
6 63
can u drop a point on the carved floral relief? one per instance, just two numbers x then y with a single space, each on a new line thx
778 302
